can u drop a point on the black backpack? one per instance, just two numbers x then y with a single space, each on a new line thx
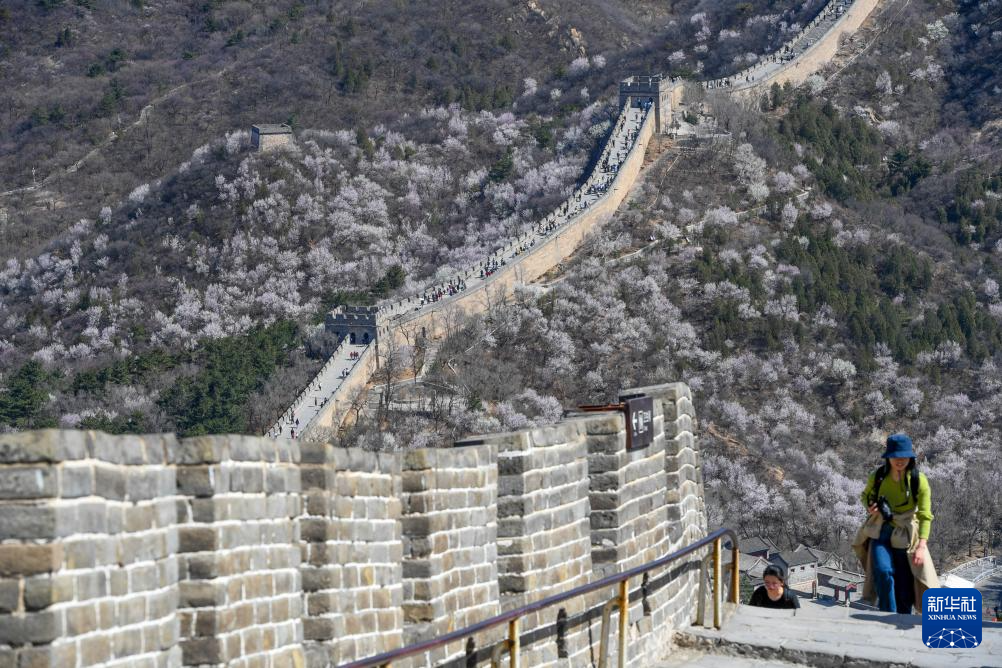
884 470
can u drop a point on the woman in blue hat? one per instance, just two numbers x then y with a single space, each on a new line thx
893 542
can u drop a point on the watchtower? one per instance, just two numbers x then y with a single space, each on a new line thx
357 323
267 136
656 89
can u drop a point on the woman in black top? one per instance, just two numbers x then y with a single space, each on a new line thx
774 594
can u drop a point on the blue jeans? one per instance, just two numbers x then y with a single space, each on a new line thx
892 574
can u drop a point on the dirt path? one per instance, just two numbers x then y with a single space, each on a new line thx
121 132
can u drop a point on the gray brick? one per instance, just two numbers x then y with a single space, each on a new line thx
46 445
28 482
37 628
76 480
28 521
10 595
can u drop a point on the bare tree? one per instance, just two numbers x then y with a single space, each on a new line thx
391 359
417 343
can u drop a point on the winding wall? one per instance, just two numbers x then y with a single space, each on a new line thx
433 320
817 56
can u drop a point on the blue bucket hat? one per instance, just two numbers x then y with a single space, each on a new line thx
899 445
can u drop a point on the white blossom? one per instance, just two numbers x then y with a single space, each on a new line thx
789 215
784 182
937 30
139 193
578 66
884 84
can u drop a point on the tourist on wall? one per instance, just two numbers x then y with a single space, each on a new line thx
892 543
774 593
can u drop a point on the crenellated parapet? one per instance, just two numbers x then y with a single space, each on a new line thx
239 551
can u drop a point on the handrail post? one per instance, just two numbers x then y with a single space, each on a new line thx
603 647
513 644
701 604
716 584
735 573
624 618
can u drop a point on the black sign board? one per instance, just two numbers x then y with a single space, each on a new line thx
639 421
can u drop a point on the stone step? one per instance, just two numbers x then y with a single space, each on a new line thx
682 658
829 636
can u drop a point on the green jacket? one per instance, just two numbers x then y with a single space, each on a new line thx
899 496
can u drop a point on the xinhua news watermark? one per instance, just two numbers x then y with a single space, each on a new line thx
951 618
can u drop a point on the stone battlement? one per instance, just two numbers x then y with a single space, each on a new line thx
661 91
360 324
646 84
243 551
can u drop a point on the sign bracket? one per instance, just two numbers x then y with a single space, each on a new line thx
638 410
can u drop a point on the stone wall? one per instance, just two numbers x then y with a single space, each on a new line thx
449 521
88 555
674 591
240 551
352 552
435 319
438 319
543 539
240 596
333 414
815 58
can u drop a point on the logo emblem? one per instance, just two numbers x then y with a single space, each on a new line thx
951 618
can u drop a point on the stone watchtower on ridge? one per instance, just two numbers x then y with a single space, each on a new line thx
359 324
267 136
659 89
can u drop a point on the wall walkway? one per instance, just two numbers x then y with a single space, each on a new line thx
805 54
522 260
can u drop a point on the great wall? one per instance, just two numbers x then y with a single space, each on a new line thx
147 551
648 107
271 552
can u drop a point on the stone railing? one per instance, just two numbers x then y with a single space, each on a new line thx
244 551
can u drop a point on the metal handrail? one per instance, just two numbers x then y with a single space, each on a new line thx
622 600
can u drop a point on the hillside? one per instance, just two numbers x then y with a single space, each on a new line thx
826 277
119 93
140 256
